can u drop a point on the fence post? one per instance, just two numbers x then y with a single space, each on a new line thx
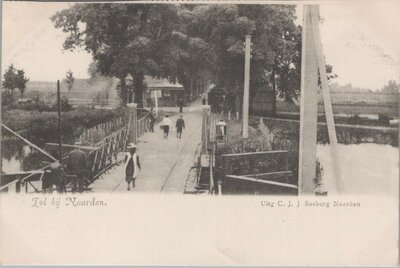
204 134
133 133
18 187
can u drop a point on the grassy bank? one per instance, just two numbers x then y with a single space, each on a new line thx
346 134
42 127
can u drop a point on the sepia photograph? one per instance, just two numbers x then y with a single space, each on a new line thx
284 99
198 99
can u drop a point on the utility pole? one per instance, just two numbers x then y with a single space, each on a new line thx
327 103
308 105
245 112
59 122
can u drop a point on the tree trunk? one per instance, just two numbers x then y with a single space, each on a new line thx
122 93
274 93
139 88
186 93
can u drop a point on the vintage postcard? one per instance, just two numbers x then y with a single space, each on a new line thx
200 133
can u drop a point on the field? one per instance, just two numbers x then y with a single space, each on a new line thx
351 103
83 89
363 97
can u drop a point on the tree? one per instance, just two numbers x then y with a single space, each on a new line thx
69 79
189 43
122 38
14 78
92 70
329 72
21 81
392 87
9 82
276 46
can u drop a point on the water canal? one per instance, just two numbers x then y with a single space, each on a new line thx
367 168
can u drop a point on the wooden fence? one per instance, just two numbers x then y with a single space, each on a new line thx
98 133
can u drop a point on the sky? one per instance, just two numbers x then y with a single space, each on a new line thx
361 39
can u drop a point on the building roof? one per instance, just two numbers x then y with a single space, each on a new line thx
161 84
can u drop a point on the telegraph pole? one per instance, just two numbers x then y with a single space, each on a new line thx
245 112
59 122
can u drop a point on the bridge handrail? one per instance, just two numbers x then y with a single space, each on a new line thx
100 158
143 124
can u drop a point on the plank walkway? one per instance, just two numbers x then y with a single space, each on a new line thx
165 163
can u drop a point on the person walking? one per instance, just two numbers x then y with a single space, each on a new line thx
132 165
180 125
77 165
165 124
152 120
180 104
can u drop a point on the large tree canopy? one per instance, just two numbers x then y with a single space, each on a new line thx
189 42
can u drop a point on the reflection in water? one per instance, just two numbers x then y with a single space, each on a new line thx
366 168
18 156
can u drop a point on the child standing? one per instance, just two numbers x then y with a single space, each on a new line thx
132 165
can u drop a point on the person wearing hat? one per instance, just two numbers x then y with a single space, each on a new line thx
132 165
77 166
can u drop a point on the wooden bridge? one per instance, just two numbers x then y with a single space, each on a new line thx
101 144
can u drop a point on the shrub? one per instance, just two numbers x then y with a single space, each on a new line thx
355 120
384 119
43 126
7 100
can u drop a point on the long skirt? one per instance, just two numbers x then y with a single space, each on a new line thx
129 174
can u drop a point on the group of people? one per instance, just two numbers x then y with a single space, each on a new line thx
132 163
166 124
77 163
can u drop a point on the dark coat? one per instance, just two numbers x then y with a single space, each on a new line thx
77 162
180 123
152 118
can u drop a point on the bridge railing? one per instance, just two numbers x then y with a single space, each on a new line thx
111 139
97 133
143 125
99 160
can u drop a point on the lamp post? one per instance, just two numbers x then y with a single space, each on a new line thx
128 84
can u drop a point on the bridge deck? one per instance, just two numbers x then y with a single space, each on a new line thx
165 162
